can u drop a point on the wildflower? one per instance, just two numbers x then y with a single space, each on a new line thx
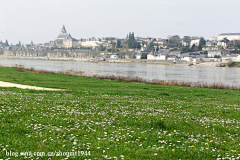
159 141
192 146
211 140
174 130
234 151
206 143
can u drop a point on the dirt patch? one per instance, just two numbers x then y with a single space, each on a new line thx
7 84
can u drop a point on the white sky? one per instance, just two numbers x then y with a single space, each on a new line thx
42 20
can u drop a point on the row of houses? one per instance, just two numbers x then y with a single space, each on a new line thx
187 56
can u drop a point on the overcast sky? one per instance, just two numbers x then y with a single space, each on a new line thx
42 20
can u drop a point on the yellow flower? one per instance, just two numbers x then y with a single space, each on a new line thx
159 141
161 118
234 151
174 131
211 140
192 146
206 143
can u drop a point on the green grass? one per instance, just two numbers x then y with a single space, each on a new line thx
235 64
116 119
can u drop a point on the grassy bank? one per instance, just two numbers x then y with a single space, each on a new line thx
118 120
235 64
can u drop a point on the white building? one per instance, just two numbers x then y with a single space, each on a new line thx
89 43
65 40
195 41
114 56
188 59
157 56
138 55
151 56
238 58
184 44
229 36
213 38
213 53
161 57
211 43
222 44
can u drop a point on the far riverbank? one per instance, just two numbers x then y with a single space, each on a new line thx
131 61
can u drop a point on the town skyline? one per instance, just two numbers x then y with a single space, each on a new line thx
93 37
40 21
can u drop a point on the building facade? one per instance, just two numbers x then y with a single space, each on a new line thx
229 36
65 40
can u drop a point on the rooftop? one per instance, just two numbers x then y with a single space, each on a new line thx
64 36
223 34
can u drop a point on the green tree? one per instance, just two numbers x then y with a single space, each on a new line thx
119 44
144 56
113 47
139 45
202 42
6 43
174 41
200 47
225 40
195 48
186 49
131 40
157 49
150 47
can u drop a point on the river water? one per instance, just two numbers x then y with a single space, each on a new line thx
210 75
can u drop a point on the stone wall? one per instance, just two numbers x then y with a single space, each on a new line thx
63 54
53 54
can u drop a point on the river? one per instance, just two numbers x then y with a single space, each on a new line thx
210 75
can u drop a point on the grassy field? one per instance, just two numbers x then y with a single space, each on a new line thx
103 119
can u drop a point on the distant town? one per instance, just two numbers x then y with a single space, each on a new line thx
225 47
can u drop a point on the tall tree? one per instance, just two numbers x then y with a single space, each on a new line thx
119 44
131 40
139 45
157 49
6 43
202 42
113 47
